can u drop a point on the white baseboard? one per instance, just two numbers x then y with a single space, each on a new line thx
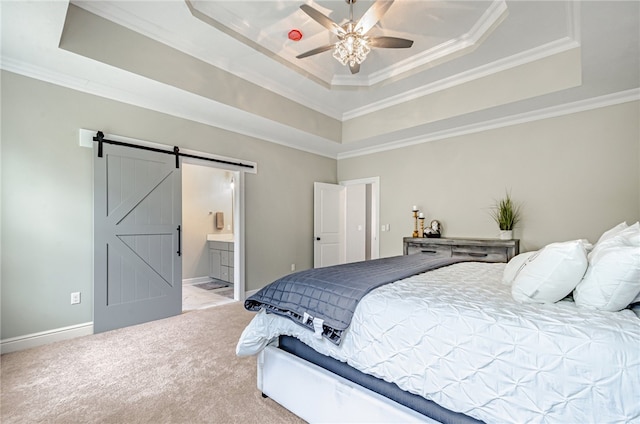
250 293
27 341
14 344
195 280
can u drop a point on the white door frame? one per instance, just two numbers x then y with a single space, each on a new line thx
238 222
375 210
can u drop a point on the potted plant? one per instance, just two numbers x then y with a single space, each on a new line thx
506 213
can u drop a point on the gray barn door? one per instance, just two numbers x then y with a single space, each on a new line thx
137 214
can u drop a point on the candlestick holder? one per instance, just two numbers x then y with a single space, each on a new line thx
421 234
415 223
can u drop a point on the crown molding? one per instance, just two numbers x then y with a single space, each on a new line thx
452 48
182 104
522 58
536 115
83 85
254 76
466 42
573 21
238 28
570 41
489 20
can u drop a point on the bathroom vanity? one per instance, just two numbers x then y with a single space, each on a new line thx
221 255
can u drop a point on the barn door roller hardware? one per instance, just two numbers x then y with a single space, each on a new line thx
176 151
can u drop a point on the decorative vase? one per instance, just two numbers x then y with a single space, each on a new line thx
506 234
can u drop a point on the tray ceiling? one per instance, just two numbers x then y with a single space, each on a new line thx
440 31
230 63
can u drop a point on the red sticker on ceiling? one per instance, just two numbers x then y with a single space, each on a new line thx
295 35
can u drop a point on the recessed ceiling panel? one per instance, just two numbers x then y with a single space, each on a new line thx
441 30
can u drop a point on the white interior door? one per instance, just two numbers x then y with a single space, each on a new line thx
137 218
328 224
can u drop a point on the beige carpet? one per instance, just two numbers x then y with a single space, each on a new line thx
178 370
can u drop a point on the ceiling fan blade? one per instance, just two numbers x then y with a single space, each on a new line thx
373 15
322 19
315 51
390 42
355 68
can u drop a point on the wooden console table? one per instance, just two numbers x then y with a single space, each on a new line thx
492 250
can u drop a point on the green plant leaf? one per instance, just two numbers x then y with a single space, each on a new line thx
506 213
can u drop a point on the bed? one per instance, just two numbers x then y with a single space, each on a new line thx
453 344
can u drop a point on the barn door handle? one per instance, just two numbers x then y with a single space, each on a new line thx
179 241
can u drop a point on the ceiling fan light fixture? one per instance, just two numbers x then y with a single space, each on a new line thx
351 49
353 44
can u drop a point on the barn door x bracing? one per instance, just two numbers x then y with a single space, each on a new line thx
137 218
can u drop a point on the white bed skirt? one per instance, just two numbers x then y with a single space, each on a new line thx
317 395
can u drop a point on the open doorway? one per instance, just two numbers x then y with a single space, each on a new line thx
362 210
209 216
346 220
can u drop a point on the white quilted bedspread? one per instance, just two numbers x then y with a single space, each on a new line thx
456 336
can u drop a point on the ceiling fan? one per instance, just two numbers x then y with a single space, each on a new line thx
353 44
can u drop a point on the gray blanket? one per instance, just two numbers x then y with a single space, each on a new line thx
324 299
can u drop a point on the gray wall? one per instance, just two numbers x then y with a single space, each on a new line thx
46 241
575 175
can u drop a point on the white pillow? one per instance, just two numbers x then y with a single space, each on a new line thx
612 232
630 235
612 281
587 245
551 274
514 266
621 234
634 240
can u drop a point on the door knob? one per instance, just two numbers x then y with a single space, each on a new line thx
318 238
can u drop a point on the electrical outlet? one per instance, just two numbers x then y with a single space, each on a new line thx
75 298
293 267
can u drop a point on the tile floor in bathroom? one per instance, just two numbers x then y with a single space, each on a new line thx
196 298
